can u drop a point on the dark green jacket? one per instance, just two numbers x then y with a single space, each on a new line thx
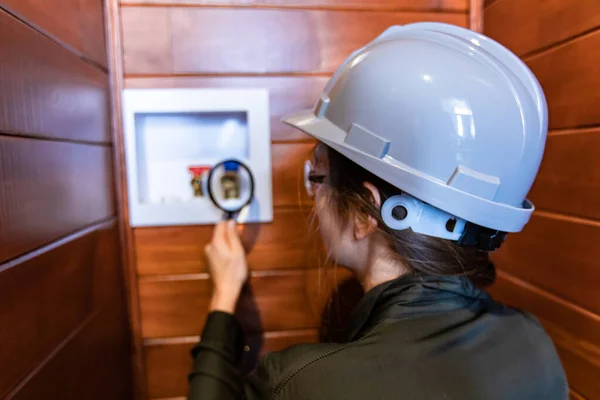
412 338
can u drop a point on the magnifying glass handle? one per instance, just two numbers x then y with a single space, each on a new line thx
229 215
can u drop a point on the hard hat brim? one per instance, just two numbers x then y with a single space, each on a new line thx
484 212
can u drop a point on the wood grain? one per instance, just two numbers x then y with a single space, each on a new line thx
574 320
178 306
287 161
108 273
93 364
165 40
115 62
570 79
537 24
569 178
77 23
92 30
287 95
50 189
168 364
573 395
555 253
414 5
575 331
46 90
476 15
283 244
44 298
580 359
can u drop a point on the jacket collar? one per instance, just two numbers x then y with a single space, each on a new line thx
411 296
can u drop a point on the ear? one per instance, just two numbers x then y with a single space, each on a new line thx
364 226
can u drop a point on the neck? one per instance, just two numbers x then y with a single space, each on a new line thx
380 268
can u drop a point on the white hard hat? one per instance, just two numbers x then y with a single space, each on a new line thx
448 116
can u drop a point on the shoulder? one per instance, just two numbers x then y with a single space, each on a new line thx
281 366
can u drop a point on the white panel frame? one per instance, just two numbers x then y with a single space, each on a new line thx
254 102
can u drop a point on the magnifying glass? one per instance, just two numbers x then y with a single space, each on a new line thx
230 186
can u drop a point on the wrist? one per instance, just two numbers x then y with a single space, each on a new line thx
225 299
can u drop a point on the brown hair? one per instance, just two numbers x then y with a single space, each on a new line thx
423 255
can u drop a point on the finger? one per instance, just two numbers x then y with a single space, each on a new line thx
219 232
233 236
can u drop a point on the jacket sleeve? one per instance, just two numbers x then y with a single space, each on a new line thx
216 374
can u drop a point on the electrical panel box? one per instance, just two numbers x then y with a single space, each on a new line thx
174 137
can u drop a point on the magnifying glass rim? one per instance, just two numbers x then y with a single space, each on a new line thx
209 186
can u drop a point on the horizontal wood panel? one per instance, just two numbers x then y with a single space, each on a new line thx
570 79
165 40
108 274
46 90
50 189
569 178
287 95
439 5
581 360
92 30
285 243
93 365
573 395
77 23
557 254
574 320
178 306
578 338
536 24
43 300
287 161
168 365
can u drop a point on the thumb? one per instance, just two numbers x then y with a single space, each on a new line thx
232 235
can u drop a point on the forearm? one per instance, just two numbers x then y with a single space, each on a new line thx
216 358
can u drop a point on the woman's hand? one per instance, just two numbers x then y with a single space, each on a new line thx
227 265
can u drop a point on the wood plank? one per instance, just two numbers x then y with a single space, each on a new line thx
44 298
77 23
573 395
50 189
574 320
556 254
537 24
168 364
476 15
575 331
580 359
286 243
414 5
46 90
92 30
287 95
178 305
570 79
115 62
165 40
108 274
569 178
287 161
93 365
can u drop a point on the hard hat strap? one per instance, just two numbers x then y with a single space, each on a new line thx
403 211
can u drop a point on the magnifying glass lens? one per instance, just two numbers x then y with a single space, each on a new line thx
230 186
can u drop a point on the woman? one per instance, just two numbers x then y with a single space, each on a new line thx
430 138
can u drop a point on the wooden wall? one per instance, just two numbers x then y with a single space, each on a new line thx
552 268
63 321
290 47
